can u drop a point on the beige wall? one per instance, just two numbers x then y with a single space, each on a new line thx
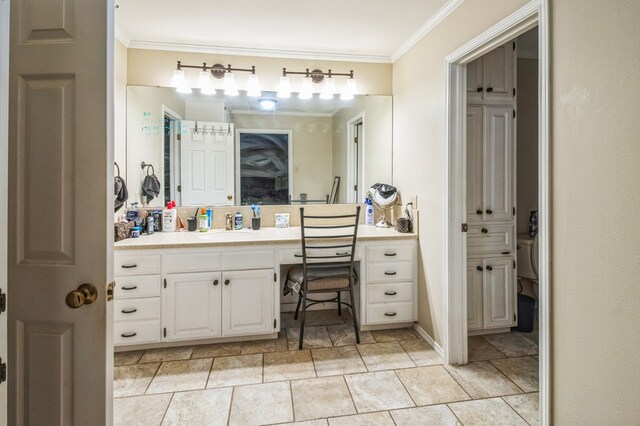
418 140
595 150
527 142
155 68
312 149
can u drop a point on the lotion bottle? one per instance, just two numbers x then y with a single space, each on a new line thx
170 218
369 212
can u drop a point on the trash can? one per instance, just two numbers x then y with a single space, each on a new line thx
526 313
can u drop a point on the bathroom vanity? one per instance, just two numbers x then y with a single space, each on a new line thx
227 285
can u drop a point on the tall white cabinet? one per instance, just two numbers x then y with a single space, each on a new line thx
491 189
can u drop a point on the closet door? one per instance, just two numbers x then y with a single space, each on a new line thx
499 278
475 210
474 82
498 163
474 294
498 74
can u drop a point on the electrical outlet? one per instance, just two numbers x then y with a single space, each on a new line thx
413 199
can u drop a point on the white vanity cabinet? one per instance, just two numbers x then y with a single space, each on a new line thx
247 302
491 78
491 295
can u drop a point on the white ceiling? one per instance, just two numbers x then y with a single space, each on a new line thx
367 30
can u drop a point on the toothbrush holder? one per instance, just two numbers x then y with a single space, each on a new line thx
255 223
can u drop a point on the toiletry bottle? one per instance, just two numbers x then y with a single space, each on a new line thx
369 212
203 221
239 220
151 225
228 222
170 218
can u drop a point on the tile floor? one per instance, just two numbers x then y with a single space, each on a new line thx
392 378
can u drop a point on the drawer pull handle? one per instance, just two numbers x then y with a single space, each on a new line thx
227 282
129 311
215 282
390 273
506 252
390 254
390 293
133 287
128 335
489 268
479 268
390 314
485 231
129 266
297 255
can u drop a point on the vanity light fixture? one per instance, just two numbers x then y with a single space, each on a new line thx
284 90
217 71
318 77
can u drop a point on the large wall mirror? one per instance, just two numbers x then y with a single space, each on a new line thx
216 150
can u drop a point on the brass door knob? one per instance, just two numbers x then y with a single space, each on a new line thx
86 294
229 197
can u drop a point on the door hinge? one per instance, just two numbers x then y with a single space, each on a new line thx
179 137
179 189
3 301
465 227
355 139
164 332
514 264
514 113
275 277
3 371
275 323
110 290
514 211
355 187
514 91
165 283
514 317
514 45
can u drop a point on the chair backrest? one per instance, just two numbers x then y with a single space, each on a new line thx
331 240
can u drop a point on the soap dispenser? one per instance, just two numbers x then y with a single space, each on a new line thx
228 222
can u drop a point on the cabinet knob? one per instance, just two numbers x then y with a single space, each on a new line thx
479 89
227 282
485 231
215 282
479 268
489 268
489 211
489 89
478 211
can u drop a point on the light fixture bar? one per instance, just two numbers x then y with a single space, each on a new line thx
217 70
317 75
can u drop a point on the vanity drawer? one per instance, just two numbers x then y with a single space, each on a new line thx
490 239
382 313
390 292
136 332
289 256
387 272
137 309
137 286
390 254
131 264
249 259
192 262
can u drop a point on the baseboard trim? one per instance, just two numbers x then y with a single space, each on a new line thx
436 347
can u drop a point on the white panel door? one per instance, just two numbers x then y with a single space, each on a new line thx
207 165
247 302
4 116
474 294
191 306
499 292
474 82
498 74
61 215
475 210
498 163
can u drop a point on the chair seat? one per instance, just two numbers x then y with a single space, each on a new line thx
322 279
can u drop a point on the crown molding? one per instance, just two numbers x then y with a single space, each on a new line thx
122 37
267 53
425 29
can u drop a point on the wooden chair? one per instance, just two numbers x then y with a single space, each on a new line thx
328 250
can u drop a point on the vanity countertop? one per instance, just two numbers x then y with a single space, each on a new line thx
220 237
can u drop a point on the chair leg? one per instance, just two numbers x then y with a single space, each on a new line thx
295 316
353 313
304 311
339 305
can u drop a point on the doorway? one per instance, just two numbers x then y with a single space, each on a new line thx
530 16
355 159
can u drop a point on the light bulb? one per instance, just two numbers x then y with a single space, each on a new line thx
284 90
229 83
267 104
253 86
307 88
329 89
349 90
205 83
178 79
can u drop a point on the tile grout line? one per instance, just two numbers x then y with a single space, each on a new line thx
458 383
405 389
516 411
152 379
344 379
166 410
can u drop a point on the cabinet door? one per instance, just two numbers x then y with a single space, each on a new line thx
474 82
499 280
248 299
475 211
191 306
498 74
474 294
498 163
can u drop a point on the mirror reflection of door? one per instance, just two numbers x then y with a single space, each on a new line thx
171 158
355 162
263 162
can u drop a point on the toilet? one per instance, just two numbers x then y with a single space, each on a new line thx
528 263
